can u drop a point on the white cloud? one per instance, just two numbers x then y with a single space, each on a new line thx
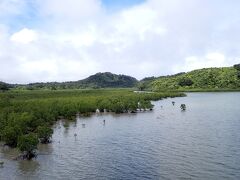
24 36
213 59
71 39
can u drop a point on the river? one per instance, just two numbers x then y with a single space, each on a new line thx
202 142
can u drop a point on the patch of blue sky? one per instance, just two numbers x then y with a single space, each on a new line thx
28 18
113 5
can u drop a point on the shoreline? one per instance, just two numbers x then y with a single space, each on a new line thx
201 90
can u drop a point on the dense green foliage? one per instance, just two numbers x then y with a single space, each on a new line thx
44 134
203 79
28 144
99 80
10 135
237 67
185 82
33 112
144 83
103 80
4 86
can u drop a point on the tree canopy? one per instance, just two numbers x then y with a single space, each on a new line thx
4 86
99 80
208 78
237 67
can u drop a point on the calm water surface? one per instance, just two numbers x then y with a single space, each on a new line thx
201 143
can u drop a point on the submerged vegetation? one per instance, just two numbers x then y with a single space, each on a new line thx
183 107
26 116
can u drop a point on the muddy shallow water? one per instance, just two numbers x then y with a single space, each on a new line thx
201 143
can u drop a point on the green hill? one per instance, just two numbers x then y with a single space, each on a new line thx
99 80
108 79
226 78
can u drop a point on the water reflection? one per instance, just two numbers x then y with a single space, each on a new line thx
45 149
28 168
8 153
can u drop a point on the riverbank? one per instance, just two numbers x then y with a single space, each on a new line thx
201 90
211 90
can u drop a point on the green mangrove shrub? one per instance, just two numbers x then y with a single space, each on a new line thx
27 144
44 134
28 115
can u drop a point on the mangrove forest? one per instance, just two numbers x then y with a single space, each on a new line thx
26 117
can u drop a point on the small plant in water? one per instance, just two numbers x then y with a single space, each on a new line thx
1 163
183 107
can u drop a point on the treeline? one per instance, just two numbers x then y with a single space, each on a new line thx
227 78
237 67
26 116
4 86
99 80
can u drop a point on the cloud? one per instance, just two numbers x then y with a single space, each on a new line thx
24 36
210 60
70 40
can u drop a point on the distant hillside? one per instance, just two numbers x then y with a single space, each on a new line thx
144 84
99 80
207 78
108 79
4 86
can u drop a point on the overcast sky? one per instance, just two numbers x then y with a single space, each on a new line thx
62 40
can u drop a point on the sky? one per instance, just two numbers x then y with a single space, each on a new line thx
67 40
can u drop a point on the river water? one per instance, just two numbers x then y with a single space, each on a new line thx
201 143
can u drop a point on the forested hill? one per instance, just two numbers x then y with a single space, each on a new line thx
108 79
99 80
227 78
